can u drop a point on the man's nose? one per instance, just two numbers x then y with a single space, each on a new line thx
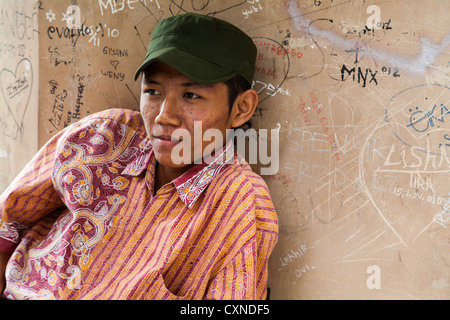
169 112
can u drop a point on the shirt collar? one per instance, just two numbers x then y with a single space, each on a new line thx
141 158
191 184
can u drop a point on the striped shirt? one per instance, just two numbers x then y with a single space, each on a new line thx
82 221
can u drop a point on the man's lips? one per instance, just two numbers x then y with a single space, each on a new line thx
167 138
166 141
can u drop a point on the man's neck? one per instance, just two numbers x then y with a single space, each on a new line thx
164 175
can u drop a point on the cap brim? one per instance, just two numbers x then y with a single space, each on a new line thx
195 68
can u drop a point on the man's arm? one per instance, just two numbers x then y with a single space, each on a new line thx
245 276
29 198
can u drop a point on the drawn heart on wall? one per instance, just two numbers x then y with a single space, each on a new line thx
16 89
114 63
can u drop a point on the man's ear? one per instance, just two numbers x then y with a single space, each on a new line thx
244 107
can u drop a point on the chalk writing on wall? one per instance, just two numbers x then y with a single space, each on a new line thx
358 92
19 35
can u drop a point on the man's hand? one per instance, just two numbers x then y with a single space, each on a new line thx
3 261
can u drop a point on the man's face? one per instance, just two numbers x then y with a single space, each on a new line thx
171 101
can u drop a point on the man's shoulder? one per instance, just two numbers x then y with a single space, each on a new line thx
239 181
113 125
240 170
240 177
125 117
109 134
101 147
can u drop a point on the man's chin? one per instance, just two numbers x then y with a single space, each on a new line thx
170 161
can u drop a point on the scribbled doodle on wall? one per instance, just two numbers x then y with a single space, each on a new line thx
422 122
16 86
271 69
359 92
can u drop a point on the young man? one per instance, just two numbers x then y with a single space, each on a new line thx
106 211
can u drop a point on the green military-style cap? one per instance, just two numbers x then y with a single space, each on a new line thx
205 49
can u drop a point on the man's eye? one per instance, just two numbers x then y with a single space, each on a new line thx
152 92
191 95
